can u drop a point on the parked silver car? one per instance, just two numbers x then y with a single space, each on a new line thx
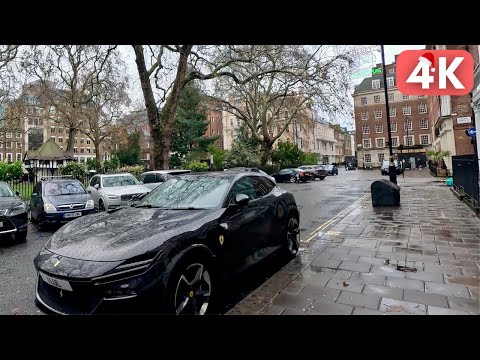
115 190
152 179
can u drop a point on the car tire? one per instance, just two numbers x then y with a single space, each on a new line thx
293 179
21 237
101 205
292 237
32 219
322 177
190 281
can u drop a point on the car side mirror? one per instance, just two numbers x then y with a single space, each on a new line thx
17 193
241 199
97 186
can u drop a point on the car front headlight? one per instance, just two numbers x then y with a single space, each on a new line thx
90 204
49 208
113 197
17 210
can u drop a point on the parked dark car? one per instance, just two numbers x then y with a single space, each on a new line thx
385 168
57 200
350 166
13 214
293 175
331 169
254 169
172 251
317 170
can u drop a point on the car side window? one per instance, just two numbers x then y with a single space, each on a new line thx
38 188
94 181
160 178
243 186
262 186
150 178
142 178
284 171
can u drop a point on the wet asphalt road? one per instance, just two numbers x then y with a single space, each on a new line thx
318 202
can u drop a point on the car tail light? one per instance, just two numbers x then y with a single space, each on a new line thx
302 174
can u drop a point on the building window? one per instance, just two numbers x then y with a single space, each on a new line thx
30 111
376 99
422 108
19 145
368 158
367 144
19 157
331 146
405 97
393 127
9 157
394 141
75 150
408 125
424 139
391 70
407 110
379 128
420 96
424 124
381 157
380 142
9 135
60 139
390 82
60 130
88 141
18 135
82 151
364 115
8 144
52 130
393 112
82 141
375 84
378 113
409 140
365 129
1 145
363 100
52 138
391 96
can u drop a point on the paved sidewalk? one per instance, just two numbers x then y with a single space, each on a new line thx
421 258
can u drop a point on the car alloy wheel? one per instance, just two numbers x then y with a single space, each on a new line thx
101 205
193 290
293 236
293 179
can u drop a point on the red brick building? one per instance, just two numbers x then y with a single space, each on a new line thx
214 120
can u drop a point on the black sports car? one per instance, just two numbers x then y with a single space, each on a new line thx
331 169
170 252
13 214
293 175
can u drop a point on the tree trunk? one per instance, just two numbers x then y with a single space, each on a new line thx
265 150
71 139
97 150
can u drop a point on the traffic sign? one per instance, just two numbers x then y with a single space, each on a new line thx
472 132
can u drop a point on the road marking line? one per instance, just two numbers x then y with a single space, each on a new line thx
329 222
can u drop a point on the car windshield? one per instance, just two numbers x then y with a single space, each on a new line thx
120 180
328 167
5 191
188 192
63 188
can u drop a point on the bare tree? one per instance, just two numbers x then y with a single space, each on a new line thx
279 83
75 81
8 53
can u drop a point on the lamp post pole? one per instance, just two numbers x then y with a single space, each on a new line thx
391 169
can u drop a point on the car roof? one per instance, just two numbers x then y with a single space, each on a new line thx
59 180
165 171
118 174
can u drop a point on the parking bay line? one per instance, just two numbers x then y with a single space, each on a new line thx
329 222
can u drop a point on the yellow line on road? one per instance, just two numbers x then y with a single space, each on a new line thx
329 222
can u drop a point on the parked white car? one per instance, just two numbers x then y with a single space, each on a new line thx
152 179
115 190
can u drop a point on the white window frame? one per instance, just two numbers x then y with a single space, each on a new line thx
407 110
411 137
422 108
381 158
378 113
393 142
376 143
393 111
8 143
377 126
60 139
17 135
365 158
364 115
424 121
410 122
18 145
376 84
365 129
420 139
1 156
405 97
391 96
390 81
19 157
363 100
8 135
376 99
11 157
393 128
369 142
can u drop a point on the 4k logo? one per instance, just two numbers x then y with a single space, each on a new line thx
435 72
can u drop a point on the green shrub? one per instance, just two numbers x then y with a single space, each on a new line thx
73 168
136 170
196 166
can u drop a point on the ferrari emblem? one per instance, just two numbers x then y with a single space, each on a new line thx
221 239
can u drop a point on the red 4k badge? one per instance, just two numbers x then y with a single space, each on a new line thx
435 72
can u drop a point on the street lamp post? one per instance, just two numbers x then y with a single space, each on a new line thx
391 169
